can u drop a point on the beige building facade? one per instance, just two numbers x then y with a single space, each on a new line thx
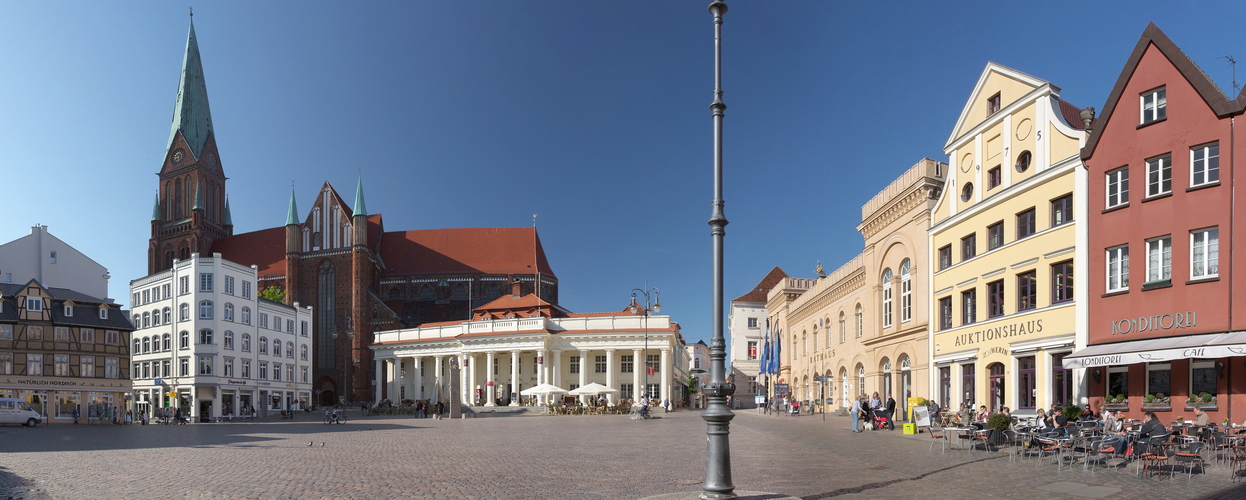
1003 248
865 325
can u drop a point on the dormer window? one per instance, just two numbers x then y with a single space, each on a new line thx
992 104
1154 105
103 313
69 311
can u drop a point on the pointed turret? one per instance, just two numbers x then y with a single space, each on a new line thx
155 210
190 113
360 207
198 197
229 218
292 214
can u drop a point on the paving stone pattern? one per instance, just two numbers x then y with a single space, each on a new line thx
534 457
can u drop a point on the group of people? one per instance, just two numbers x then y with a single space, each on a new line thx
866 409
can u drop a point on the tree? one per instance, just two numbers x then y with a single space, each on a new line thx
274 293
693 384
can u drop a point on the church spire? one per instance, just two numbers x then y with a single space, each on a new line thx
292 214
360 207
229 219
190 112
155 210
198 197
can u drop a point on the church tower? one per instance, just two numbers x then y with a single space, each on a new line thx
190 211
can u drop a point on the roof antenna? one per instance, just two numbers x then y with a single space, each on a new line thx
1233 64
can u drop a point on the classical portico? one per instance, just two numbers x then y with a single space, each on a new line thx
520 353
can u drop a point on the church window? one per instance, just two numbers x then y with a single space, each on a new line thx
332 220
325 315
177 199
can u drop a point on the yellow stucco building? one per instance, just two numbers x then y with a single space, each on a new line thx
1002 248
865 325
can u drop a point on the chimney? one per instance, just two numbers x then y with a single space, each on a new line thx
516 289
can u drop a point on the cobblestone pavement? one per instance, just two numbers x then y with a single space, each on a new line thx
533 457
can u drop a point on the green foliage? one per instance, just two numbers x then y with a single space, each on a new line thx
693 384
1072 412
274 294
998 422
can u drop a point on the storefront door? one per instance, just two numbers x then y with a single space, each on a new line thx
997 386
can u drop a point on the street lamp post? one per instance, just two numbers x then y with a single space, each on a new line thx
718 415
654 306
350 336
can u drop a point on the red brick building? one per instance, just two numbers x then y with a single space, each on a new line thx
1163 331
336 257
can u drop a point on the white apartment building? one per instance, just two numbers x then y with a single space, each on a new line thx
53 263
746 326
205 342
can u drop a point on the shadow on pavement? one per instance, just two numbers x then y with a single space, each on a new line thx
884 484
12 486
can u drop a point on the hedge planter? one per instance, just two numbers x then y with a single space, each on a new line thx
1157 407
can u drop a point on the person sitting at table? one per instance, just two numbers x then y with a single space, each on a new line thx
1151 428
1089 414
1201 421
962 416
979 419
1041 422
1113 425
1059 422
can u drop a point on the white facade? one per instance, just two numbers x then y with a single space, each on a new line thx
53 263
746 324
203 333
505 356
699 355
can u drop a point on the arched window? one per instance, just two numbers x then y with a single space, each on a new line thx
263 345
886 368
168 342
276 348
229 312
861 379
167 316
860 321
184 312
815 339
229 339
843 328
325 315
138 346
177 199
205 309
303 353
146 320
246 315
146 345
906 292
804 343
887 298
246 342
205 336
290 350
843 377
184 341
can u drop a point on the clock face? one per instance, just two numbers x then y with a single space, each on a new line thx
210 160
178 156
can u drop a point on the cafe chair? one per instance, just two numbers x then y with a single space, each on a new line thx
1190 456
940 435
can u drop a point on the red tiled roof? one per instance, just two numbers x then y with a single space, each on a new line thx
512 302
759 292
1071 114
490 250
265 249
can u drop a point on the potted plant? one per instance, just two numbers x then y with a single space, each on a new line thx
1117 402
1201 400
998 423
1158 401
1072 412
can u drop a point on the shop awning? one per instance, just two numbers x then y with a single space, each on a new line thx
1214 345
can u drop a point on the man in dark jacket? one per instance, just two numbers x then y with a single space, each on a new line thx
1151 429
891 413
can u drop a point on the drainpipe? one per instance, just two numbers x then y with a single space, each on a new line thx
1232 238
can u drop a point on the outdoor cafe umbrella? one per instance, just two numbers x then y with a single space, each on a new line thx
592 389
542 390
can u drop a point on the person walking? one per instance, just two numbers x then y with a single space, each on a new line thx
856 415
76 415
891 413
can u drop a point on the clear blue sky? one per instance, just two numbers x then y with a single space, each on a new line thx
592 114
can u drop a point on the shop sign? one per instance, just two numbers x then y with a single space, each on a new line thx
1154 323
237 382
995 350
1000 332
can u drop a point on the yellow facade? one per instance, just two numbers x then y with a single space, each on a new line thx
865 325
1002 246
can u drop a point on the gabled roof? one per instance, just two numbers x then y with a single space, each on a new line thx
975 97
190 113
265 249
488 250
512 302
759 292
1206 88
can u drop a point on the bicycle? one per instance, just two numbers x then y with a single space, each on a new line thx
640 412
334 417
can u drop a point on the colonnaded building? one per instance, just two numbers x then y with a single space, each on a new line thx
520 341
1004 309
336 257
866 324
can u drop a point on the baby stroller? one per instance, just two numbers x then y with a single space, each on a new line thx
880 420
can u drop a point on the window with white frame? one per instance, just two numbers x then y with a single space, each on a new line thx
229 340
1118 268
228 367
304 368
184 341
60 334
1205 164
860 321
60 365
112 367
34 304
1159 259
69 311
167 314
229 312
183 312
6 332
290 350
906 292
1154 105
205 309
246 342
103 312
246 315
205 365
183 285
205 336
887 298
34 364
205 282
86 366
229 285
86 336
1118 187
246 368
1159 176
1204 253
752 322
246 289
263 343
263 371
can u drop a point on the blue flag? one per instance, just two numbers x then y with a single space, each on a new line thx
774 356
763 365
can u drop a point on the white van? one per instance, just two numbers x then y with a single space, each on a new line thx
16 411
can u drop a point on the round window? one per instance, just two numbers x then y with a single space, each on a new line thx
1023 161
966 192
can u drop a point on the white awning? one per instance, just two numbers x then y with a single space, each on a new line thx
1214 345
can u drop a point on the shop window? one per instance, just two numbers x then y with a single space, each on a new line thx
1118 381
1203 378
1158 378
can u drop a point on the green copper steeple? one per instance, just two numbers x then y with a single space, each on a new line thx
360 207
292 215
229 219
155 210
198 197
190 112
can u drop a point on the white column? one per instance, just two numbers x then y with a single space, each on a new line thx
556 375
610 382
583 372
515 377
380 363
638 369
417 380
471 368
666 374
216 401
393 381
540 370
437 393
465 387
490 387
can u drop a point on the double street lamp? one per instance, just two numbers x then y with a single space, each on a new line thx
350 336
654 307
